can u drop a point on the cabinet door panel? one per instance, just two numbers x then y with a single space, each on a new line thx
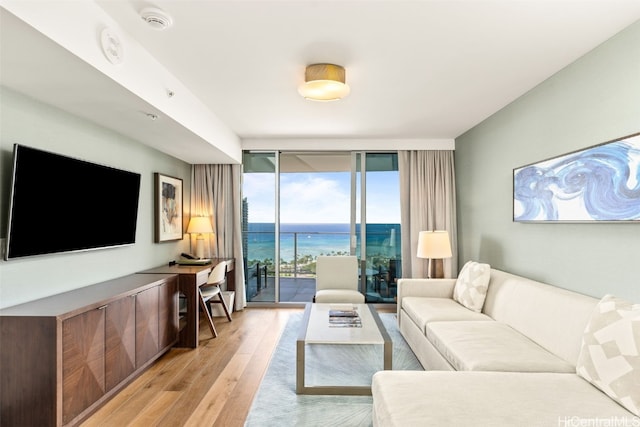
147 331
168 316
83 380
120 351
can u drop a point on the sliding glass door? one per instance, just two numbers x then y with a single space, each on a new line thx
378 242
298 206
314 217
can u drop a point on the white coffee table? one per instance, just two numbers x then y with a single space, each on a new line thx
315 330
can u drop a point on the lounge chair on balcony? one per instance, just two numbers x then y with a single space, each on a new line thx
387 276
337 280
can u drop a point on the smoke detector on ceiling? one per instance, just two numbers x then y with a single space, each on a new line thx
156 18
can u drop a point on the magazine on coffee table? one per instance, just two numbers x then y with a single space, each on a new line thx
345 322
344 316
343 310
343 313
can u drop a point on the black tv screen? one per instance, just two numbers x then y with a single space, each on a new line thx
61 204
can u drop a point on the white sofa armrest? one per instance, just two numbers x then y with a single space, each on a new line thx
428 288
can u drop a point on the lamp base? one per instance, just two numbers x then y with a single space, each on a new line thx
200 247
436 269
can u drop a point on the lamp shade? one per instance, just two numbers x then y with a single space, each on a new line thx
324 82
199 224
434 245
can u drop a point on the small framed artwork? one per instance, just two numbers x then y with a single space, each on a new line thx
168 208
600 183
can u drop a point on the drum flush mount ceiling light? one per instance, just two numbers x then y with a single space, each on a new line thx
324 82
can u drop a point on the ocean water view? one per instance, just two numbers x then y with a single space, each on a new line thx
318 239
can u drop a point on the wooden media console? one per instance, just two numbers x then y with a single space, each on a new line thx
64 356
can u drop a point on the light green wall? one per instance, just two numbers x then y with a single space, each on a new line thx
594 100
27 122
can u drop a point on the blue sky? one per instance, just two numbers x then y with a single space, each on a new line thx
320 197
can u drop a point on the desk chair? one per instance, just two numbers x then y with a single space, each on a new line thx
208 291
337 280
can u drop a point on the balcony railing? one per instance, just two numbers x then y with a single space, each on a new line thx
299 251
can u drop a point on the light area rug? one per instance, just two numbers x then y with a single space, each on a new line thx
277 404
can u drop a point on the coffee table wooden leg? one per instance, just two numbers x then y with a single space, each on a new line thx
300 367
388 355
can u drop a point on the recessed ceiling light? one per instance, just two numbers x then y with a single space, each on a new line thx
156 18
111 46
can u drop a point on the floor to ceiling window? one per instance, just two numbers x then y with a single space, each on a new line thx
259 224
297 206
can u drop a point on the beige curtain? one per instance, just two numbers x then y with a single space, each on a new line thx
427 202
215 192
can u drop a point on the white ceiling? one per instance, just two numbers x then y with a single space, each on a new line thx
417 69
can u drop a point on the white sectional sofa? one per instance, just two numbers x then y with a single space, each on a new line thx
518 352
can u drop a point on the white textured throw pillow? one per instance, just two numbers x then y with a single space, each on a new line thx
471 287
610 354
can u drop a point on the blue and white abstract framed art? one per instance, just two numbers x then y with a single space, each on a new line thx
600 183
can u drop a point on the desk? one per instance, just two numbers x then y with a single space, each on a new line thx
190 277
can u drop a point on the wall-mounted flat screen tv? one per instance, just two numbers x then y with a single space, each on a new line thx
61 204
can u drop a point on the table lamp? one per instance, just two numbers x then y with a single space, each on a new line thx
199 225
435 246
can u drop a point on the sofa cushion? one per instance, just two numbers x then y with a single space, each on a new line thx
472 284
491 346
424 310
435 398
610 354
554 318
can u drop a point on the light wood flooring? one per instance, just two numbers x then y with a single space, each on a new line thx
212 385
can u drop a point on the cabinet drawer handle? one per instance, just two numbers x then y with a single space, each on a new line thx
102 307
